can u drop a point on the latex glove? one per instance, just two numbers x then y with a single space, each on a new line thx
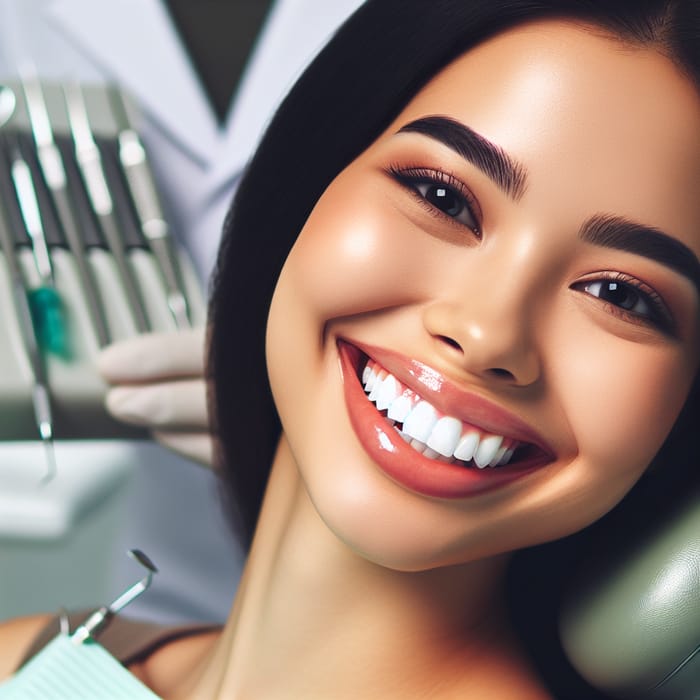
158 383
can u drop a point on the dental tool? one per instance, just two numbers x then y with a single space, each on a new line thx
53 170
44 300
141 184
75 665
40 394
89 161
100 618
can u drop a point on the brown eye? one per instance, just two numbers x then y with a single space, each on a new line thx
447 200
443 198
440 193
620 294
631 299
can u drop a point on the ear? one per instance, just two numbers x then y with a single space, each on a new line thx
631 623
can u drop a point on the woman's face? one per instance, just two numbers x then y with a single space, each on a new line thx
516 258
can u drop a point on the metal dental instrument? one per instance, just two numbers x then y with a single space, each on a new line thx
54 172
29 207
48 313
98 620
89 161
40 394
132 157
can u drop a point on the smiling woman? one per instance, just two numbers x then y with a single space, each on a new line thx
456 315
482 278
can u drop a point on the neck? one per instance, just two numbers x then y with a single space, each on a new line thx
314 619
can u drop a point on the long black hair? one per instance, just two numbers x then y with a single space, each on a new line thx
357 85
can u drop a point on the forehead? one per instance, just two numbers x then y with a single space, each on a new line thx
614 124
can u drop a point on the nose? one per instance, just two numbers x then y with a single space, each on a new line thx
489 334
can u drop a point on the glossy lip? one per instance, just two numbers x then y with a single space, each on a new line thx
405 465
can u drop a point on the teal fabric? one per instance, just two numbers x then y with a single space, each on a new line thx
64 670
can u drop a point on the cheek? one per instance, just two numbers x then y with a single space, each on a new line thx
621 400
356 253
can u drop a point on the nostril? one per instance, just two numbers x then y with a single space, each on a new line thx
451 342
503 373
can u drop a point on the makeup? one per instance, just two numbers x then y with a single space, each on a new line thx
427 475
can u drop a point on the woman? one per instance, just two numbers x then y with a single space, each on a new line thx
494 216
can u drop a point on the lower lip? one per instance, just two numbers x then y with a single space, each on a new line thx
401 462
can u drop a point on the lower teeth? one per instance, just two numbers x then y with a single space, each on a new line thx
432 454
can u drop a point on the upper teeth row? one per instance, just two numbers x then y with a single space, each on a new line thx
427 430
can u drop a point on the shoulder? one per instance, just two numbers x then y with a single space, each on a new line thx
173 665
16 636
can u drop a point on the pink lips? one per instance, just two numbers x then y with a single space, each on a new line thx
404 464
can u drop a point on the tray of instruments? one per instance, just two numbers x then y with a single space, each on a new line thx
86 255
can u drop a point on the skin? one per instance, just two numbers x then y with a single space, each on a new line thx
374 266
357 586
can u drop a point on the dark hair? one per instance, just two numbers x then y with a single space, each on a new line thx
371 68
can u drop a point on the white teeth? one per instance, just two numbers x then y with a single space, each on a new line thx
488 447
433 436
467 446
400 408
420 421
418 445
445 436
506 457
369 377
377 384
498 456
387 392
404 437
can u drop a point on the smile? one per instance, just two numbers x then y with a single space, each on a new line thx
428 434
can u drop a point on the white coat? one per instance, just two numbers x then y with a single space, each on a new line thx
173 511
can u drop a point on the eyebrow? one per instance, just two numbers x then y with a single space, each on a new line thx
492 160
511 177
622 234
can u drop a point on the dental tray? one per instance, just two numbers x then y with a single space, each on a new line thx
131 291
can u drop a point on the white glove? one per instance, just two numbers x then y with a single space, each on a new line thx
158 383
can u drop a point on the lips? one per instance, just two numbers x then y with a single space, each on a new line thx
429 435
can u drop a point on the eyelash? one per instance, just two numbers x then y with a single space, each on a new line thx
411 177
659 316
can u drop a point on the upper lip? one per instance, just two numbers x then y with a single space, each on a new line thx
451 399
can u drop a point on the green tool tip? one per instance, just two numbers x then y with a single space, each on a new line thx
49 319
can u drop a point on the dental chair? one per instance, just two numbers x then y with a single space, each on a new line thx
617 615
634 627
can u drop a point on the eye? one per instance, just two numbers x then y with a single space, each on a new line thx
442 193
630 299
620 294
447 201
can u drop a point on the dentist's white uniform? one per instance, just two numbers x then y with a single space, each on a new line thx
174 511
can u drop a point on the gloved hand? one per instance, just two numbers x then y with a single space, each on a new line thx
158 383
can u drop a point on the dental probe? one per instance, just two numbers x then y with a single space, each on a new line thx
132 157
40 395
89 161
53 170
100 618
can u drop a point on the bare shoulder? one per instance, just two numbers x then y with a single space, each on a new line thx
16 636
